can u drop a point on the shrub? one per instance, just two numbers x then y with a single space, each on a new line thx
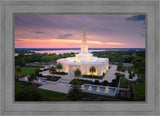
75 82
75 94
119 75
81 81
96 82
61 73
105 83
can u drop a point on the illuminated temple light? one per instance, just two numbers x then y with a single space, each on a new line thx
97 90
90 88
106 89
39 80
82 87
25 78
84 61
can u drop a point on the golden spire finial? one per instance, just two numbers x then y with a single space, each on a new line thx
84 35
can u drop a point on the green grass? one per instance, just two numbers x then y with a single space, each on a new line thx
123 83
131 68
51 95
140 91
26 70
43 95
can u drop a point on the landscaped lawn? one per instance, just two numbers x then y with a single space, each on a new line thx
131 68
123 83
27 94
52 96
26 70
140 91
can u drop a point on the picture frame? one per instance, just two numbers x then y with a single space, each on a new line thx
10 107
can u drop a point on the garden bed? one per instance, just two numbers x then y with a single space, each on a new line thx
55 78
27 84
92 77
61 73
114 82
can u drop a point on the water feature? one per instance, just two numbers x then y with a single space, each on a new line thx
97 89
40 80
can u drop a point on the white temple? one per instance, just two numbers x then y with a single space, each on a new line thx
83 61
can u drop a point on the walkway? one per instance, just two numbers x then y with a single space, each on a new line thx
109 76
63 86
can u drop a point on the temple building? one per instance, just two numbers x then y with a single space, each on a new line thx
84 61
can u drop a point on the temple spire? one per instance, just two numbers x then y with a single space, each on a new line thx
84 45
84 35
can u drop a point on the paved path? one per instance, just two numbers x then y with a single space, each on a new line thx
63 86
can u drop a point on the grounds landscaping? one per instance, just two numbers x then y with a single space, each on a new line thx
26 70
25 93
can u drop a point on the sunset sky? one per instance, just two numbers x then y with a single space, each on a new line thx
66 31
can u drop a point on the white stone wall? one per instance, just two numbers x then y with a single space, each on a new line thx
101 66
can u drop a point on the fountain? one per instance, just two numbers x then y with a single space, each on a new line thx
82 87
90 88
39 80
25 78
34 80
106 89
97 90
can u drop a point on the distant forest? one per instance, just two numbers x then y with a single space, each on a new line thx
127 56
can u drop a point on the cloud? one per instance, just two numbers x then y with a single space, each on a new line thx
18 40
39 32
64 36
136 18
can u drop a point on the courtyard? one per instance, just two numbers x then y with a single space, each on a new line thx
63 84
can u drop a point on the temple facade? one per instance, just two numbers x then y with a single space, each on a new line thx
84 61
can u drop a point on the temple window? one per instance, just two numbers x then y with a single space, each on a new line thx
74 67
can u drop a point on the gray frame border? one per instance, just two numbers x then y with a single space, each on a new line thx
6 61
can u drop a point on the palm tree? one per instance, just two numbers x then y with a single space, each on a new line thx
136 65
140 71
75 94
52 70
59 66
32 78
92 70
19 71
120 66
77 73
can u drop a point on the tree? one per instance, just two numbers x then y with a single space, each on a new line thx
52 70
96 82
136 65
19 71
19 61
129 70
140 71
27 94
130 76
77 73
92 70
46 59
120 66
32 78
75 82
37 72
59 66
75 94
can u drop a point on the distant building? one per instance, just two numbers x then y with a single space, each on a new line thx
83 61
